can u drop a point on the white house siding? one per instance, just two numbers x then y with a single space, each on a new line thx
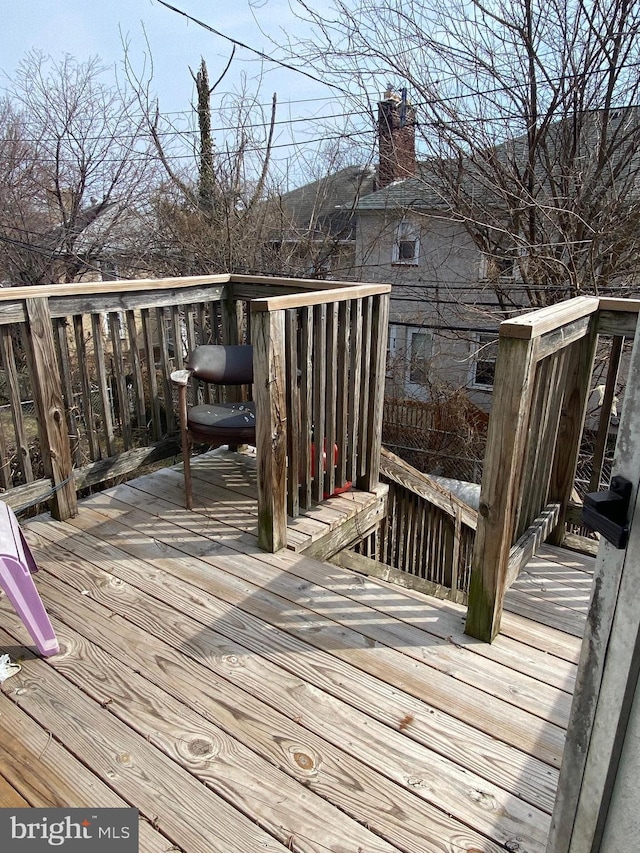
442 294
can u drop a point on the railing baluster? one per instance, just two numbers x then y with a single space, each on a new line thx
165 364
87 408
306 405
363 391
156 421
13 387
319 397
331 399
64 360
342 414
293 409
355 376
101 379
120 379
136 378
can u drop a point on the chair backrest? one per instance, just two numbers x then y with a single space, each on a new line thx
222 365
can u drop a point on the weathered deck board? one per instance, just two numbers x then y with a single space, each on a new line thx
9 797
553 591
359 648
204 750
255 701
444 780
46 775
187 671
470 747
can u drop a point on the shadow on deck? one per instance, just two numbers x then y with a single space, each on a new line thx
248 701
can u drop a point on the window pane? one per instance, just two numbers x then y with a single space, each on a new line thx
419 353
406 250
485 367
485 372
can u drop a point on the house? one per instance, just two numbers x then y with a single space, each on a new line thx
389 223
441 232
313 227
445 305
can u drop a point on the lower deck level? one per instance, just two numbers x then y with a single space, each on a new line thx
246 701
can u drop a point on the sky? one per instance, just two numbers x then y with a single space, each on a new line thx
86 28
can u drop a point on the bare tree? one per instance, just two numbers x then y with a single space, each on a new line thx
75 170
528 119
211 207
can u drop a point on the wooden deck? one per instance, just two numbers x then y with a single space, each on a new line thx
246 701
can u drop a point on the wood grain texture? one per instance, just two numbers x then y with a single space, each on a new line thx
92 289
324 708
271 427
537 323
501 484
358 783
54 440
321 297
427 676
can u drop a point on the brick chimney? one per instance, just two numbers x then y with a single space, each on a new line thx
396 138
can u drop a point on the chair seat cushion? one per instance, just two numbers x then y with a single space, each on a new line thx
223 423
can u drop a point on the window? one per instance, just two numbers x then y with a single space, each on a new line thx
406 246
484 367
500 266
419 352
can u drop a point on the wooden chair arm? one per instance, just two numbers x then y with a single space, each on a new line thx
180 377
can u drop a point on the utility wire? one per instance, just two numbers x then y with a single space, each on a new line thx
253 49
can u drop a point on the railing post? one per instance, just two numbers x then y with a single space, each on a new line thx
47 385
506 442
269 376
377 368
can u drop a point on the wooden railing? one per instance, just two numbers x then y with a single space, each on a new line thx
425 540
96 360
541 388
319 367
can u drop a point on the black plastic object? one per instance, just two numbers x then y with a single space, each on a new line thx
608 512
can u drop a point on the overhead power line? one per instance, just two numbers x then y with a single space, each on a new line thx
259 53
189 132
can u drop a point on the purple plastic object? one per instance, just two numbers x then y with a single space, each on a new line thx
16 566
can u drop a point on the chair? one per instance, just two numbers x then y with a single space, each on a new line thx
215 424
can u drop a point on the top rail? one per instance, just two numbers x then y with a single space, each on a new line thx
537 323
86 370
336 294
89 288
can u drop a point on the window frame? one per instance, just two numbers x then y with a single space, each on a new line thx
482 341
507 275
412 332
406 232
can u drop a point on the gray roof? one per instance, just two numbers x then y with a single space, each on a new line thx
441 184
424 191
328 204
